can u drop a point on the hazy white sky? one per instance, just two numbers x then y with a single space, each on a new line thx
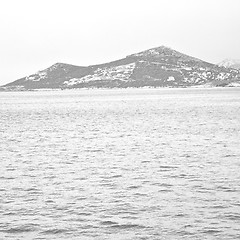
36 34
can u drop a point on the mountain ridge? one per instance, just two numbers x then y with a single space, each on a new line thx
156 67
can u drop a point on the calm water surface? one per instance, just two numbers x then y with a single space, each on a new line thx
120 164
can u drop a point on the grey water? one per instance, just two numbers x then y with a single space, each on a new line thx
120 164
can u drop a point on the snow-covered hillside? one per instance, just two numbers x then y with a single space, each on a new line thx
156 67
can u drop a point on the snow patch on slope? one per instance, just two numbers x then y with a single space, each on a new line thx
234 84
37 77
122 73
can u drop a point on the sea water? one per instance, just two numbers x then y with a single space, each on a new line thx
120 164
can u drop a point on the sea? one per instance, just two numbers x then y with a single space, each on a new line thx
120 164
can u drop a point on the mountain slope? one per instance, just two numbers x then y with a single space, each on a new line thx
51 77
157 67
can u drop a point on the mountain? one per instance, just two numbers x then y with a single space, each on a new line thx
51 77
156 67
230 63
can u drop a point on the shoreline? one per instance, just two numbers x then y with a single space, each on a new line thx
123 89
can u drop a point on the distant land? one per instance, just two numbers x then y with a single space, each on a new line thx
230 63
156 67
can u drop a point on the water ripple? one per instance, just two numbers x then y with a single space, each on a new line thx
143 164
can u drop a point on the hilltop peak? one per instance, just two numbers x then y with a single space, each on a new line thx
162 48
152 51
60 65
164 52
230 63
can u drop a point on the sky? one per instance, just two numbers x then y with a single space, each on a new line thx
36 34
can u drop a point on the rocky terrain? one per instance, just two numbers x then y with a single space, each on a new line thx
156 67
